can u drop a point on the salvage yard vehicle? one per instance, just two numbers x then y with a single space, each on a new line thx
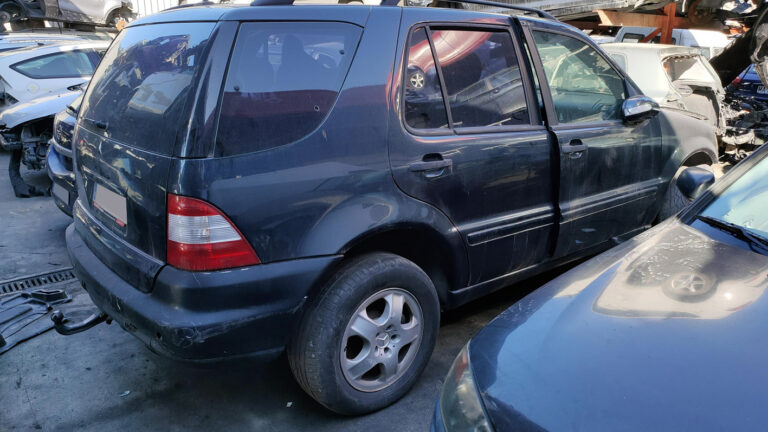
707 42
59 159
37 83
325 179
748 84
99 12
675 314
674 76
34 72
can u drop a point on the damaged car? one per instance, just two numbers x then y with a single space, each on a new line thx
99 12
674 76
34 72
303 181
59 160
25 131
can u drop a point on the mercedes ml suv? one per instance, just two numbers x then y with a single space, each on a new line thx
325 180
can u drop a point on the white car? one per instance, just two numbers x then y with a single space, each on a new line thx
709 42
674 76
34 72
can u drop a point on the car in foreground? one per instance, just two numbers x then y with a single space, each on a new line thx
674 76
37 71
253 180
59 158
664 332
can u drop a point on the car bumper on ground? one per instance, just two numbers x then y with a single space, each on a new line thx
63 190
202 316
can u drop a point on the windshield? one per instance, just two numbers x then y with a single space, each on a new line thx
745 202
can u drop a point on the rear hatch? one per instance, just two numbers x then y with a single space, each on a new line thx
133 117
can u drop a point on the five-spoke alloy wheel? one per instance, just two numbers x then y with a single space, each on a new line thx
367 335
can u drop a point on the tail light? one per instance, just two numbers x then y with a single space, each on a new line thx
736 82
202 238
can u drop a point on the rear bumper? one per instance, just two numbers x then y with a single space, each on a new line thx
203 315
62 177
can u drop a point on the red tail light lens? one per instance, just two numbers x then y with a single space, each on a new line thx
736 82
202 238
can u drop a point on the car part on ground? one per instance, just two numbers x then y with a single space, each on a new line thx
26 129
642 326
98 12
299 172
22 314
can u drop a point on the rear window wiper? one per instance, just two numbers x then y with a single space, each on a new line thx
738 231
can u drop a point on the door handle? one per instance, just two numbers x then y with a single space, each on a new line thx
432 166
575 147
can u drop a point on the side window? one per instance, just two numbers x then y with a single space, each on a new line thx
424 105
61 65
282 81
584 86
482 78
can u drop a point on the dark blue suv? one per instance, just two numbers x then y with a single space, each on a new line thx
326 179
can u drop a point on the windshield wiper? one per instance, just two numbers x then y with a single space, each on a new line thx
738 231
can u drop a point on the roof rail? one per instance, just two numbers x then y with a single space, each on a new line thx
272 3
538 12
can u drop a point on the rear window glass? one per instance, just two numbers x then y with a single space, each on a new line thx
60 65
142 87
687 68
282 81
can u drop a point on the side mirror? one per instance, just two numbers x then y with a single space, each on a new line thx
639 108
693 181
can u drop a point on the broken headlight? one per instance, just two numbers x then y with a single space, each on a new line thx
460 404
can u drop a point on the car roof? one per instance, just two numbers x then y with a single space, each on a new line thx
356 14
648 48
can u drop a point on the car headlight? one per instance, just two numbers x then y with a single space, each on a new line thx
460 403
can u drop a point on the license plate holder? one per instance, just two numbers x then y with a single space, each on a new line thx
761 89
111 203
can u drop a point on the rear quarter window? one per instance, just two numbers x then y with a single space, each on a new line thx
70 64
283 79
142 90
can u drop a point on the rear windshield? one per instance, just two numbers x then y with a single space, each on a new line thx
687 68
282 81
141 90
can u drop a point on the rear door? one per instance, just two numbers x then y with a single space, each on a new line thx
467 142
609 170
132 118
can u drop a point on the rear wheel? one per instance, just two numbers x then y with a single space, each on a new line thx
363 344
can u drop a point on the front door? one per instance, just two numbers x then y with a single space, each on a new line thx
609 170
467 143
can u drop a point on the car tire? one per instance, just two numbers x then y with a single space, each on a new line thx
353 324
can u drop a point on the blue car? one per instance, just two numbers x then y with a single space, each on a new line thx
748 84
665 332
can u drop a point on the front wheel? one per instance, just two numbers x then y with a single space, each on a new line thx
363 344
